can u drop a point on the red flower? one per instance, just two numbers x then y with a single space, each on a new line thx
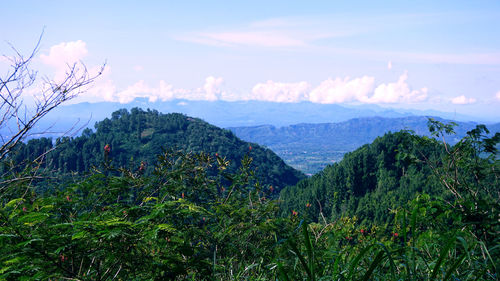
294 213
107 148
182 195
24 209
216 154
249 147
395 234
142 167
67 198
308 205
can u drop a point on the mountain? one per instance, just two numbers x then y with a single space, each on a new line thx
230 114
311 147
368 182
135 138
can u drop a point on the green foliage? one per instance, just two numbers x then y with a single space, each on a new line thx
179 222
194 217
415 250
368 181
135 138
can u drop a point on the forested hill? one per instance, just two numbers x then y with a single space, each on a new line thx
140 136
368 182
311 147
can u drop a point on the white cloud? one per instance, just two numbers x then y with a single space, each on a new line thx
342 90
140 89
280 92
65 53
212 88
107 91
398 92
498 96
138 68
462 100
389 65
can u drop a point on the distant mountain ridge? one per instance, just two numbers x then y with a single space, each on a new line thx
311 147
232 113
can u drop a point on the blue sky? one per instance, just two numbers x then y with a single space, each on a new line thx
441 55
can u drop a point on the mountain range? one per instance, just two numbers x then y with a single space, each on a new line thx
232 114
311 147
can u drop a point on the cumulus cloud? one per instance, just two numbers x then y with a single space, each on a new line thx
163 91
280 92
342 90
140 89
63 55
212 88
398 92
463 100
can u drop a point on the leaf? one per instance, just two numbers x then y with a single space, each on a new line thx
14 202
282 272
147 199
33 218
442 254
166 227
454 266
378 259
79 235
356 260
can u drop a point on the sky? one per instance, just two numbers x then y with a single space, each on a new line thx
441 55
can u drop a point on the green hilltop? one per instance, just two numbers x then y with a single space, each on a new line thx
137 137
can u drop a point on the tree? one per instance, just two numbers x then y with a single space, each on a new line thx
16 117
470 171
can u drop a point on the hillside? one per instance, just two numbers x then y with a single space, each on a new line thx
367 183
181 222
139 136
311 147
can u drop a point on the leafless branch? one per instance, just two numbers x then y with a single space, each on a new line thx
16 118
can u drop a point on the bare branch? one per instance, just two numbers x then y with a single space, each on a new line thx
15 117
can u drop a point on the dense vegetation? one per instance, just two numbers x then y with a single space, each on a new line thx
368 181
192 217
311 147
135 138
